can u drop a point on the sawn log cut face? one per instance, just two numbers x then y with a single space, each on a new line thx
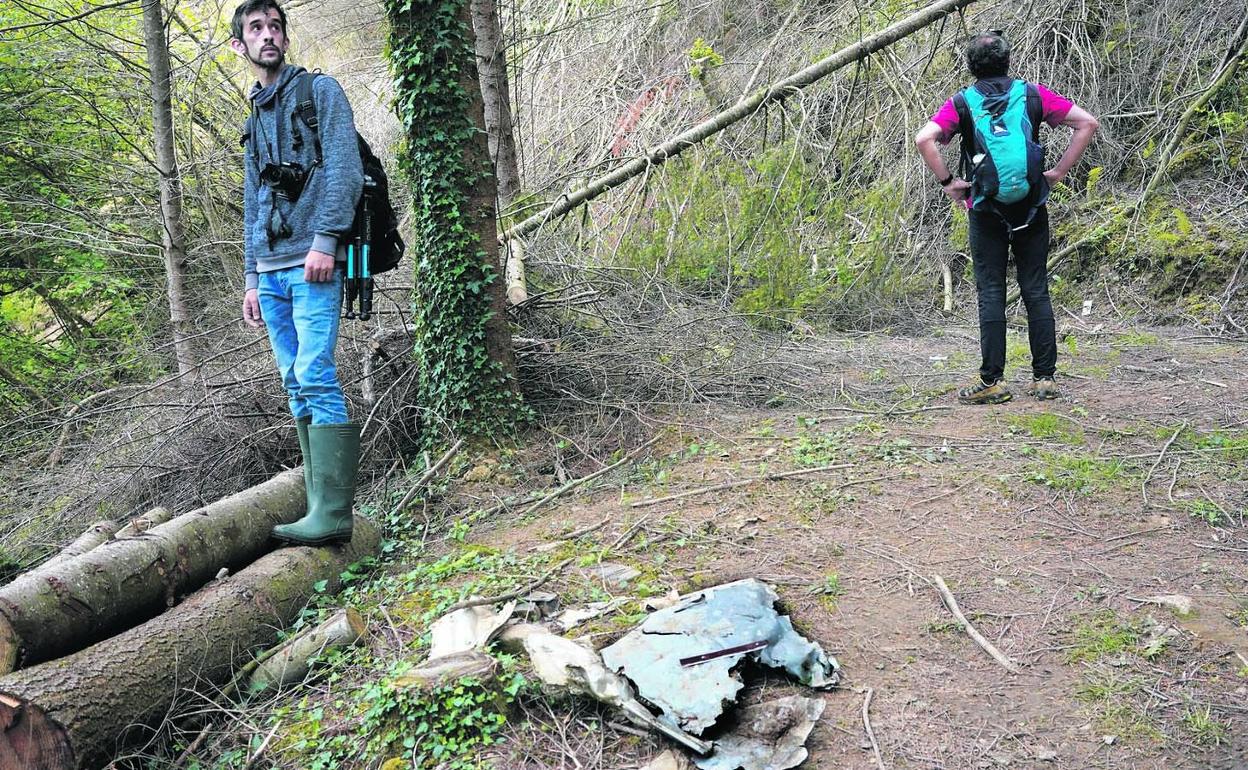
29 739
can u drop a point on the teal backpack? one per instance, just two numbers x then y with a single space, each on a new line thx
1001 152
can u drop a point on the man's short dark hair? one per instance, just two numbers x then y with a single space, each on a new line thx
248 8
988 55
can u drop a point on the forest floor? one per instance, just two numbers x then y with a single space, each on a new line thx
1053 524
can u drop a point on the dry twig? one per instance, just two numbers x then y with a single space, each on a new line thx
866 723
952 604
530 588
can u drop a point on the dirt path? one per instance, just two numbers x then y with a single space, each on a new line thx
1052 522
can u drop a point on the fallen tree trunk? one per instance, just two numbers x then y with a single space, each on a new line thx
73 713
49 613
92 537
140 524
742 109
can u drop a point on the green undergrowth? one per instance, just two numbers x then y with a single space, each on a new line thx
1077 472
863 441
1175 250
770 232
1046 426
1121 658
1114 693
366 710
1103 634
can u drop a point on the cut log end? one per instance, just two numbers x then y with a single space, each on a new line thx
30 739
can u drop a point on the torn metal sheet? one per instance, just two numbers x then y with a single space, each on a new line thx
564 663
610 574
537 606
470 628
575 616
768 736
708 624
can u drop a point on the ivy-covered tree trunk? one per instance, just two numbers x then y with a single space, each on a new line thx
463 339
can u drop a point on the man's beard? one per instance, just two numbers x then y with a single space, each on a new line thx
271 66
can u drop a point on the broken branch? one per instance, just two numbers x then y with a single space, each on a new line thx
952 604
1152 470
866 723
429 474
530 588
742 109
573 484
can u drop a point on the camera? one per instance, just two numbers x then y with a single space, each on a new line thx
285 179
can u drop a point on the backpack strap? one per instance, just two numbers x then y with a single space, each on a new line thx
966 127
248 139
305 108
1035 111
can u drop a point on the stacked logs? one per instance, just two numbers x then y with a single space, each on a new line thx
97 645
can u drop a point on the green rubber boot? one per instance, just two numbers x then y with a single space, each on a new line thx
301 427
335 450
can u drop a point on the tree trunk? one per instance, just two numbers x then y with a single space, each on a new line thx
492 72
74 713
482 214
170 184
463 340
49 613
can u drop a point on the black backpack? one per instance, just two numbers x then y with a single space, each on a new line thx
386 247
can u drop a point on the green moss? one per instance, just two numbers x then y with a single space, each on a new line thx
1046 426
1077 472
1102 635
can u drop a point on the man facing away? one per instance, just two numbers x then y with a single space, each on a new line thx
999 118
299 204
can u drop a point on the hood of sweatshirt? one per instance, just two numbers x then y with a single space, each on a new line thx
263 96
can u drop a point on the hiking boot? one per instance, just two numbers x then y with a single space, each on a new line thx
985 393
334 451
1044 388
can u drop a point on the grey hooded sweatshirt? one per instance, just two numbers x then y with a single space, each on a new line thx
323 213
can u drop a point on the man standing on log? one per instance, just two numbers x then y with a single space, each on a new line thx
302 182
1004 184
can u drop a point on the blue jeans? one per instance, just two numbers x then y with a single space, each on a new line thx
302 319
991 242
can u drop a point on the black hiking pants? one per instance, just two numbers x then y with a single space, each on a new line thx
991 241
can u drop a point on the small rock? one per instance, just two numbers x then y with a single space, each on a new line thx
1000 582
1108 740
1180 603
1046 753
669 760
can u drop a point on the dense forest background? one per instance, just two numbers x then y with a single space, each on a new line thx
814 213
802 248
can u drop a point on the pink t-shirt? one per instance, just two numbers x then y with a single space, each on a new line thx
1054 108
